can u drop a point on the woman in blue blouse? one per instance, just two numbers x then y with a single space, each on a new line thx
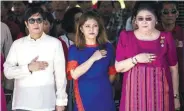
91 65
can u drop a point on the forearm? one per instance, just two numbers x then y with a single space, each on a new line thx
124 65
16 72
81 69
175 78
61 82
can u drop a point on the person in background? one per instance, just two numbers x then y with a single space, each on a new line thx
19 8
147 58
105 9
6 39
117 21
48 25
71 4
49 29
3 98
23 31
7 18
59 9
129 5
6 42
49 7
70 20
37 72
85 5
91 65
168 15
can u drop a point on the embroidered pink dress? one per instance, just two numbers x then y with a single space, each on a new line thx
147 87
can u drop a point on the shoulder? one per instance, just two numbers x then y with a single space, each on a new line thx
63 37
125 35
52 39
73 48
109 45
167 36
4 26
20 40
178 28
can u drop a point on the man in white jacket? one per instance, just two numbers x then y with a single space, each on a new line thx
37 64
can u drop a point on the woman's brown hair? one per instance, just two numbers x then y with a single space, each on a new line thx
101 37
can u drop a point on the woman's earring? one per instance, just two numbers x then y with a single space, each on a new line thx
156 23
135 22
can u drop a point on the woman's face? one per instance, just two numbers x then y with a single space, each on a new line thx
90 29
76 17
145 20
46 26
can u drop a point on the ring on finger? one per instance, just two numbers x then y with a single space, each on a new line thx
150 56
149 60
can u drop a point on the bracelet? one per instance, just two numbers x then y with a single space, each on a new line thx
133 61
29 69
136 60
176 96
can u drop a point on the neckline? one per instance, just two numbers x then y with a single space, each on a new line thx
94 45
146 40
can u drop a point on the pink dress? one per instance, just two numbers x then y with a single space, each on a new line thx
3 99
147 87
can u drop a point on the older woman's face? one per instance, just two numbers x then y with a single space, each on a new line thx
145 20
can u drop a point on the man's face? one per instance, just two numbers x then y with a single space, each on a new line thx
19 8
59 5
106 8
35 24
169 13
86 5
129 4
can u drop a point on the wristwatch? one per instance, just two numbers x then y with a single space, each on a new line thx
176 96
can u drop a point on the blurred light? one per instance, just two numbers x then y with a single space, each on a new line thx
122 3
12 9
77 5
30 1
94 1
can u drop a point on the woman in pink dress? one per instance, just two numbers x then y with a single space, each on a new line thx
147 58
3 99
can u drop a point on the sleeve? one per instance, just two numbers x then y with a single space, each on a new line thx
8 41
12 70
2 61
112 70
171 50
121 46
72 60
60 75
